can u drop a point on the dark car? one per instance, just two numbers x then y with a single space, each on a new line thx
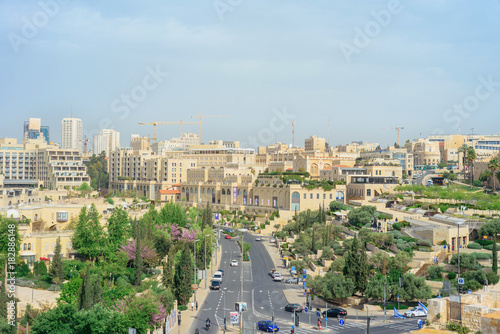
294 306
215 285
335 312
266 325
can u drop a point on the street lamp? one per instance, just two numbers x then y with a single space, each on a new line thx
206 260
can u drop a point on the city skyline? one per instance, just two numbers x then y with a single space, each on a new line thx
362 68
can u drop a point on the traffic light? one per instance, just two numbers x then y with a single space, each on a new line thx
292 331
307 304
296 321
460 289
401 281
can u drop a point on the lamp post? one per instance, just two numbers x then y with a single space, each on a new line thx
206 261
194 269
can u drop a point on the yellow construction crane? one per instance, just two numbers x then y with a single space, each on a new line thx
203 116
397 128
154 124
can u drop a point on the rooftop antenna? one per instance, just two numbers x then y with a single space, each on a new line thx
293 133
459 128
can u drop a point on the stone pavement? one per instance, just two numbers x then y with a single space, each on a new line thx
35 297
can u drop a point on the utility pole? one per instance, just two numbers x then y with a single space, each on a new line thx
206 278
385 298
367 325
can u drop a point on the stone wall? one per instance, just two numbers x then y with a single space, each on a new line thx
490 323
471 316
437 306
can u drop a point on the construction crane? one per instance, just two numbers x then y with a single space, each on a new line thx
204 116
154 124
397 128
85 141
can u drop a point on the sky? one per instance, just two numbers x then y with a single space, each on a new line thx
341 70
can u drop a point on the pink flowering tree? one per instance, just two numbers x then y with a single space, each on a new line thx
148 253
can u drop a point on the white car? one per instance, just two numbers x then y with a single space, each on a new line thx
258 239
277 277
416 312
234 263
218 276
273 240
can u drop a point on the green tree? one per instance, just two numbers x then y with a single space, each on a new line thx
336 206
138 263
118 229
70 291
375 288
57 320
334 285
492 229
467 261
84 187
356 265
435 271
168 270
361 216
88 238
90 290
414 288
97 170
493 165
182 278
56 269
100 320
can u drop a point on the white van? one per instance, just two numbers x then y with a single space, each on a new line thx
218 276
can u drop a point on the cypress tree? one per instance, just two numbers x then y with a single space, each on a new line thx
56 269
356 265
182 277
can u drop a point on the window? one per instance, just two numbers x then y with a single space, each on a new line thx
331 196
324 196
24 247
368 192
305 196
46 246
317 196
311 196
29 246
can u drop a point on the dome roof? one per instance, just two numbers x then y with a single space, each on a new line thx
13 213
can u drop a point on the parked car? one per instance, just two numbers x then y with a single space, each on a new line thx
293 280
335 312
273 240
234 263
227 236
277 277
258 239
268 326
215 285
294 306
220 271
272 271
415 312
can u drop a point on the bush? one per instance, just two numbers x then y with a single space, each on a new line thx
490 247
482 256
474 245
452 275
484 242
396 226
451 326
182 307
492 278
434 272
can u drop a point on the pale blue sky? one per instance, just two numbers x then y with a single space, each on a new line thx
259 56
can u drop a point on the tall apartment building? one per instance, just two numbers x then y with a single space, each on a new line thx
107 140
33 129
314 143
35 162
72 134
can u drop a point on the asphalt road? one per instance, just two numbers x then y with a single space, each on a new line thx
264 298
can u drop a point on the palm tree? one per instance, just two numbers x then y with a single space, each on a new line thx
493 166
471 156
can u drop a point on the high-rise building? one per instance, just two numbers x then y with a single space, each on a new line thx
72 134
34 130
314 143
106 140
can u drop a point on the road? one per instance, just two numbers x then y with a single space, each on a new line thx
419 179
264 298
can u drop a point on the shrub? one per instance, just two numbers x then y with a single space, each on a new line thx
490 247
482 256
182 307
492 278
474 245
435 271
452 275
484 242
396 226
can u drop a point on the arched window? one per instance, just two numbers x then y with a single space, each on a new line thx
24 247
29 246
295 201
223 191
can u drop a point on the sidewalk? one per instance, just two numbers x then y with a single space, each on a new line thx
188 317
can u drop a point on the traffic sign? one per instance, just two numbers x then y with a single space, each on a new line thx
318 314
326 319
341 322
306 309
460 280
216 216
397 297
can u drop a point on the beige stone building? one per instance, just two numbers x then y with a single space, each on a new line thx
315 144
425 152
35 162
362 188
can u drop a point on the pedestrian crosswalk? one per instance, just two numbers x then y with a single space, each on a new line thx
404 326
332 328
